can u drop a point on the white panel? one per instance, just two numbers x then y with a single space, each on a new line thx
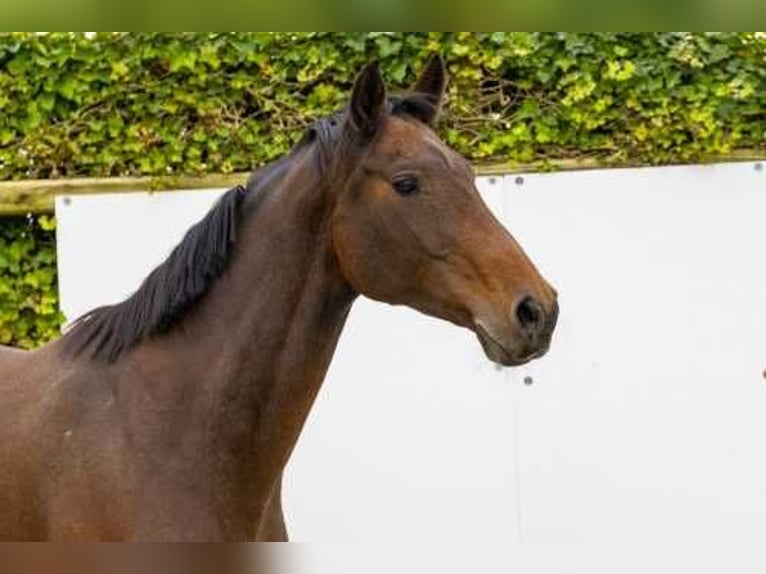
639 445
644 429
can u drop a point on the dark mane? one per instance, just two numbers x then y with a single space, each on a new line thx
168 291
203 255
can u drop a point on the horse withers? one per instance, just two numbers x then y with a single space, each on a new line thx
171 415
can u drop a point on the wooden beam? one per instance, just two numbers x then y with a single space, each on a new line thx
37 196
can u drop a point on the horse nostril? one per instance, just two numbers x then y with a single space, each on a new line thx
530 315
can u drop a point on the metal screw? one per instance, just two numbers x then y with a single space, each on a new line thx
67 201
759 166
492 181
519 180
528 380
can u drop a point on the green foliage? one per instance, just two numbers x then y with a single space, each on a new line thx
156 104
28 297
153 104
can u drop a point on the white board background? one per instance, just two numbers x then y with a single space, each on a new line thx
641 442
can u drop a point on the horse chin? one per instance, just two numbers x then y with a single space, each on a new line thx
497 353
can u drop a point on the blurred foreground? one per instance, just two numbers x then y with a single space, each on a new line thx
20 558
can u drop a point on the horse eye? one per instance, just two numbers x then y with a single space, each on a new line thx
406 185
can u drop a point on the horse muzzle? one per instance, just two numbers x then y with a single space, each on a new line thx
527 336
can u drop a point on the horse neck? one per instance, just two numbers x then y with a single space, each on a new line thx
245 366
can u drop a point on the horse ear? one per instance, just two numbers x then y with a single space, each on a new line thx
432 83
368 100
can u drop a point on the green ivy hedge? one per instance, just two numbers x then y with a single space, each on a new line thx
28 292
157 104
151 104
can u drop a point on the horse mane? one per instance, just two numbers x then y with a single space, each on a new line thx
174 286
188 273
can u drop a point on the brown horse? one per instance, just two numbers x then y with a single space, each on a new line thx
171 415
